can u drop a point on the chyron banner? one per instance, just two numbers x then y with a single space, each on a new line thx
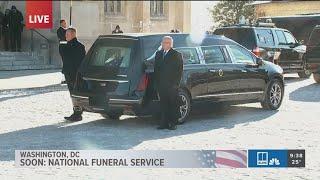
38 14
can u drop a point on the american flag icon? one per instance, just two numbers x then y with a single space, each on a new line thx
231 158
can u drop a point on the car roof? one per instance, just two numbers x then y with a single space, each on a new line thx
183 38
249 27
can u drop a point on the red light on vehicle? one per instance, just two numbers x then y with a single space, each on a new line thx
257 51
143 83
313 66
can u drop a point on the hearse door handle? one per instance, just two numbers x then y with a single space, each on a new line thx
212 70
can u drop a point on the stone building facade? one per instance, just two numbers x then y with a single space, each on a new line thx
286 8
94 18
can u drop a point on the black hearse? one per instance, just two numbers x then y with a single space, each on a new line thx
116 76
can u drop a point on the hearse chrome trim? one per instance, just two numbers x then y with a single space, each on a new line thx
77 96
106 80
97 109
124 100
115 37
230 94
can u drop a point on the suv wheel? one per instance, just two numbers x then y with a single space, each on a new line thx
316 77
112 115
185 106
273 95
305 74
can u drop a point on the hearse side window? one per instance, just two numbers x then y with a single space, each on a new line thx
281 38
265 36
213 54
115 59
189 55
241 55
289 37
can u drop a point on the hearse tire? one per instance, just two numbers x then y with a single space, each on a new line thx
112 115
304 74
316 77
185 108
273 95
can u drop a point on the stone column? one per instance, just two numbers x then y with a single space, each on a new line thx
146 16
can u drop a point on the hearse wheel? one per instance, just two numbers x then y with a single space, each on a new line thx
185 106
112 115
273 95
316 77
305 73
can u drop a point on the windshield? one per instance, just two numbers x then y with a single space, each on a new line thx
112 55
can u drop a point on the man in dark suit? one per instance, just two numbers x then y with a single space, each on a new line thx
168 72
15 28
73 53
61 33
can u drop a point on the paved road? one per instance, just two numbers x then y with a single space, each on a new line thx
33 119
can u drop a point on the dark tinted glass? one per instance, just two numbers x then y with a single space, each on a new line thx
189 55
112 55
213 54
243 36
265 37
281 38
290 39
241 55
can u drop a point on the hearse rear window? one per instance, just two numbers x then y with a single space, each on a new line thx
113 56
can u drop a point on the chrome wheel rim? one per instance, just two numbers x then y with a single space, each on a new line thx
307 72
184 107
275 94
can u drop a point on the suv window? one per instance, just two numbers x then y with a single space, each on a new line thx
281 38
241 55
315 38
265 37
243 36
213 54
189 55
289 37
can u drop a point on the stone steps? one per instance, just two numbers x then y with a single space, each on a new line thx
23 61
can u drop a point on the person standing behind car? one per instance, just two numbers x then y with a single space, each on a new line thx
15 28
73 53
117 30
168 70
5 30
61 33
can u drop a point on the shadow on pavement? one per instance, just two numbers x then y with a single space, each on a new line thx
123 134
19 93
290 79
310 93
12 74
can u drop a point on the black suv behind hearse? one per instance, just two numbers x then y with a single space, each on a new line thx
272 44
116 76
313 53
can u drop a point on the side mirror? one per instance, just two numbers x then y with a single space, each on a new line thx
301 42
259 61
